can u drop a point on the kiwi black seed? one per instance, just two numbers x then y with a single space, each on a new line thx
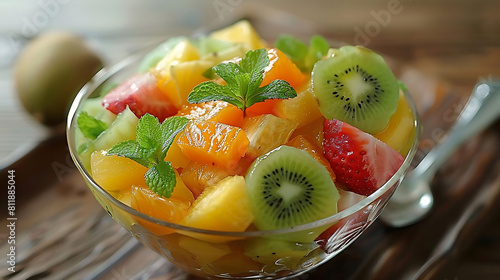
356 86
288 187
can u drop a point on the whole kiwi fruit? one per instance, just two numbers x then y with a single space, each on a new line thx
50 71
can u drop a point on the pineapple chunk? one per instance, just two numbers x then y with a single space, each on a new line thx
399 132
221 207
240 32
114 173
266 132
305 103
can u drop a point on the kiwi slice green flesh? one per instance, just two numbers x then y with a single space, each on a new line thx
356 86
287 187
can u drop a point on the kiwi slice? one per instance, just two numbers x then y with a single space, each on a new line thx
287 187
356 86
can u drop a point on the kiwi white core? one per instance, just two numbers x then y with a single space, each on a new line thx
356 85
288 191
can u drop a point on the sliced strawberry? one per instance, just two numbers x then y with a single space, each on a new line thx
359 160
332 238
142 95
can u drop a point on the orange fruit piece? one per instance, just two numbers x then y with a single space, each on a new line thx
171 209
282 68
213 143
267 107
217 111
176 156
114 173
198 177
312 132
316 152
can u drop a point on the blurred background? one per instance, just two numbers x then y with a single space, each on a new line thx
455 40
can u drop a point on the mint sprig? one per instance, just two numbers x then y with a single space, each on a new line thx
302 55
243 81
90 126
150 149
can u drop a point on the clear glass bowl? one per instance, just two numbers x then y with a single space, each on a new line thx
246 255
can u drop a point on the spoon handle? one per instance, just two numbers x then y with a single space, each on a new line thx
480 111
413 199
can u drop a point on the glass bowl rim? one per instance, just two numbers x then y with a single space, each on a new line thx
107 72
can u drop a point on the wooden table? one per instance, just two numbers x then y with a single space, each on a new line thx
63 233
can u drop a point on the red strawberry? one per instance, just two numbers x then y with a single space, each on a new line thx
142 95
359 160
330 239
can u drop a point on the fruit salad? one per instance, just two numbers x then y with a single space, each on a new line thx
229 133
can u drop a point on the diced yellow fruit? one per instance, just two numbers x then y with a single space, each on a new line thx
266 132
171 209
222 207
176 156
121 216
400 130
187 75
114 173
182 52
176 254
181 191
198 177
240 32
125 197
229 54
204 252
312 132
305 103
168 86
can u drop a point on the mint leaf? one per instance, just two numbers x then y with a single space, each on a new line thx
277 89
402 86
228 71
169 130
210 91
83 147
161 179
150 149
148 132
133 150
243 82
318 47
255 61
90 126
303 56
295 49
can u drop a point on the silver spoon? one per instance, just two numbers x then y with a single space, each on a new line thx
413 198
